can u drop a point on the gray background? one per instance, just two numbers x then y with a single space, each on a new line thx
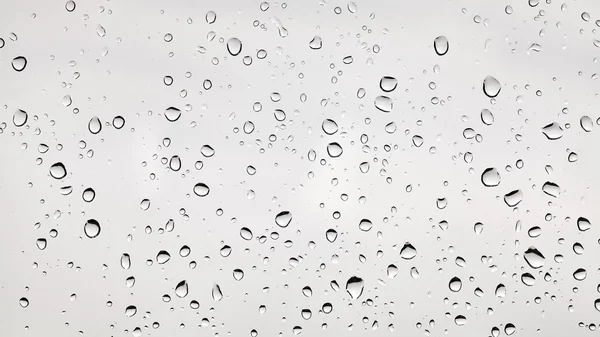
128 81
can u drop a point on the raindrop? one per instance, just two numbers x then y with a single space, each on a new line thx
440 45
181 290
392 271
331 235
175 163
455 284
583 224
513 198
225 251
460 320
487 117
94 125
24 302
163 257
500 291
125 261
490 177
534 258
478 228
41 243
91 228
201 189
586 123
329 126
491 86
217 295
388 83
355 286
580 274
365 225
283 219
211 17
509 329
118 122
207 151
172 114
19 63
70 6
528 279
19 117
553 131
58 171
551 189
238 274
334 150
246 233
234 46
145 204
408 251
384 103
316 43
130 311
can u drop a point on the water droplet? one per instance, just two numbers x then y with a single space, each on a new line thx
70 6
408 251
225 251
384 103
130 311
175 163
513 198
491 87
201 189
19 63
440 45
210 17
172 114
238 274
500 291
163 257
118 122
552 131
551 189
41 243
58 171
583 224
528 279
145 204
181 290
388 83
580 274
392 271
455 284
365 225
478 228
334 150
125 261
417 140
586 123
88 194
487 117
331 235
246 233
329 126
355 286
460 320
283 219
19 117
207 151
91 228
217 295
24 302
94 125
490 177
234 46
316 43
534 258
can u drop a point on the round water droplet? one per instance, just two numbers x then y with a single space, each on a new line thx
19 63
201 189
490 177
355 286
225 251
145 204
460 320
91 228
331 235
172 114
534 258
70 6
283 219
388 83
94 125
478 228
19 117
175 163
491 87
58 171
211 17
384 103
528 279
329 126
365 225
41 243
316 43
334 150
88 194
440 45
234 46
238 274
207 151
580 274
455 284
246 233
118 122
24 302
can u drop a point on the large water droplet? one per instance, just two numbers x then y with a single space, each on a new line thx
58 170
441 45
91 228
283 219
487 117
246 233
528 279
513 198
334 150
24 302
365 225
19 63
388 83
163 257
175 163
583 224
316 43
201 189
534 258
384 103
210 17
181 290
355 286
553 131
41 243
172 114
455 284
19 117
88 194
392 271
331 235
491 87
500 291
551 189
580 274
130 311
490 177
329 126
408 251
234 46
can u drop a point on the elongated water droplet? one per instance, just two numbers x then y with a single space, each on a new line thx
354 287
217 295
513 198
94 125
201 189
553 131
500 291
528 279
441 45
246 233
181 290
586 123
175 163
210 17
580 274
487 117
130 311
125 261
551 189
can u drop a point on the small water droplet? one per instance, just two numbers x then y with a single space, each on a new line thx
455 284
